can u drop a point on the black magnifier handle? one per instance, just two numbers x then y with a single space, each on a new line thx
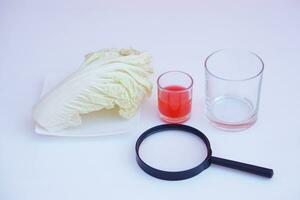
261 171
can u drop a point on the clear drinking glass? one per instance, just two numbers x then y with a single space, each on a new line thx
233 84
174 91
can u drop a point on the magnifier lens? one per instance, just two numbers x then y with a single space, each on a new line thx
173 150
173 155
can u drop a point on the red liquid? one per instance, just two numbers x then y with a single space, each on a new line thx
174 102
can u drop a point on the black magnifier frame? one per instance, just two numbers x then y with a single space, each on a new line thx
181 175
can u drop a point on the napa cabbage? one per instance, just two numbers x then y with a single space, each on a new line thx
107 79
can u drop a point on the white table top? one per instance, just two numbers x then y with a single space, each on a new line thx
41 37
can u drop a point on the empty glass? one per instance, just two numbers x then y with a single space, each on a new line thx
233 83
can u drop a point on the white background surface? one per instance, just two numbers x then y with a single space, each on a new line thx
39 37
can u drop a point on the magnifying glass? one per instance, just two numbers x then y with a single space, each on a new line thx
152 159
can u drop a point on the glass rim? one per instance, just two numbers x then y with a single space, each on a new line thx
176 71
227 79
